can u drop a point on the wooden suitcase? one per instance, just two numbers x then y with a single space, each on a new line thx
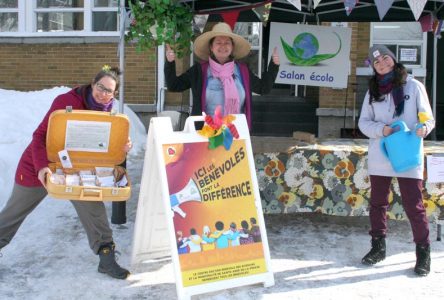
93 140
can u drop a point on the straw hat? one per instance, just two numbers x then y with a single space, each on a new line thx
202 42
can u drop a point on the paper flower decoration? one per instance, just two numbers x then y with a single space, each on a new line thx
106 68
219 129
423 117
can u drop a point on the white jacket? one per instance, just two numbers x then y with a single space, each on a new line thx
375 116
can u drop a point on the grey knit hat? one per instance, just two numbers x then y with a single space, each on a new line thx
377 50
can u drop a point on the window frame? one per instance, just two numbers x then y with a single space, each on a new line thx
258 26
27 20
12 10
422 43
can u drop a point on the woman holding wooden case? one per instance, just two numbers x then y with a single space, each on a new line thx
30 185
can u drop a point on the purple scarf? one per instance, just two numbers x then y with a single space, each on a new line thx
92 104
385 83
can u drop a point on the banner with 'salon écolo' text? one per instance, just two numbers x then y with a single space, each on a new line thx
311 55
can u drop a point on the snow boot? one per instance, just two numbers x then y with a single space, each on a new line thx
422 267
377 253
108 264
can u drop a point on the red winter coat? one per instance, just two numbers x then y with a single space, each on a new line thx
35 158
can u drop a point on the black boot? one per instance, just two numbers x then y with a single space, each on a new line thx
422 267
108 262
377 253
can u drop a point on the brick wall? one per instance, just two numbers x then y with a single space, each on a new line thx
27 67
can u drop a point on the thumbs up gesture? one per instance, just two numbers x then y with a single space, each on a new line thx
275 56
170 55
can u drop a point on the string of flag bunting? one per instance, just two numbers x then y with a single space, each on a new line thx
262 10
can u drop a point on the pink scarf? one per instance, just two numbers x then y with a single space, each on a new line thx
225 74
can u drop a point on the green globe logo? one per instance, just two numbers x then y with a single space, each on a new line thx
305 45
305 49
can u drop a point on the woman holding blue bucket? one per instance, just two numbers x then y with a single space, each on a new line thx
394 96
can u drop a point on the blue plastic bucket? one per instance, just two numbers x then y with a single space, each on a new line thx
403 148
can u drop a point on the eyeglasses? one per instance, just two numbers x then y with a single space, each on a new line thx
103 89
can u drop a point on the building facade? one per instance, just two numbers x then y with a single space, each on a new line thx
47 43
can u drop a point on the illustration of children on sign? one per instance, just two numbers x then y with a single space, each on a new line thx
207 241
255 230
233 234
219 237
181 246
193 241
245 237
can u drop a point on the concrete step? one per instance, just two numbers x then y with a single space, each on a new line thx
282 128
284 116
279 98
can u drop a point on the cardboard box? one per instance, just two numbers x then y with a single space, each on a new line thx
304 136
92 139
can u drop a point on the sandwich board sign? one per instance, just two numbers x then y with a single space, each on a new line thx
201 205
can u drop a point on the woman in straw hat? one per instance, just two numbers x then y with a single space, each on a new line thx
393 95
219 80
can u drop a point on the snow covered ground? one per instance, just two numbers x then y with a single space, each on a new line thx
313 256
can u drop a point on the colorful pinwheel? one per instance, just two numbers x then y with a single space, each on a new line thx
219 129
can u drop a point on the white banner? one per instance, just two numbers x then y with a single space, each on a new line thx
383 6
417 6
311 55
296 3
315 3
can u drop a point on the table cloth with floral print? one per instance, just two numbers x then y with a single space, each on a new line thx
330 177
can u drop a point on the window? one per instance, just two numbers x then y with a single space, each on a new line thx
64 17
59 15
104 16
406 40
8 15
252 33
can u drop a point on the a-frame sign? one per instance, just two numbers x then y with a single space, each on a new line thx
202 206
